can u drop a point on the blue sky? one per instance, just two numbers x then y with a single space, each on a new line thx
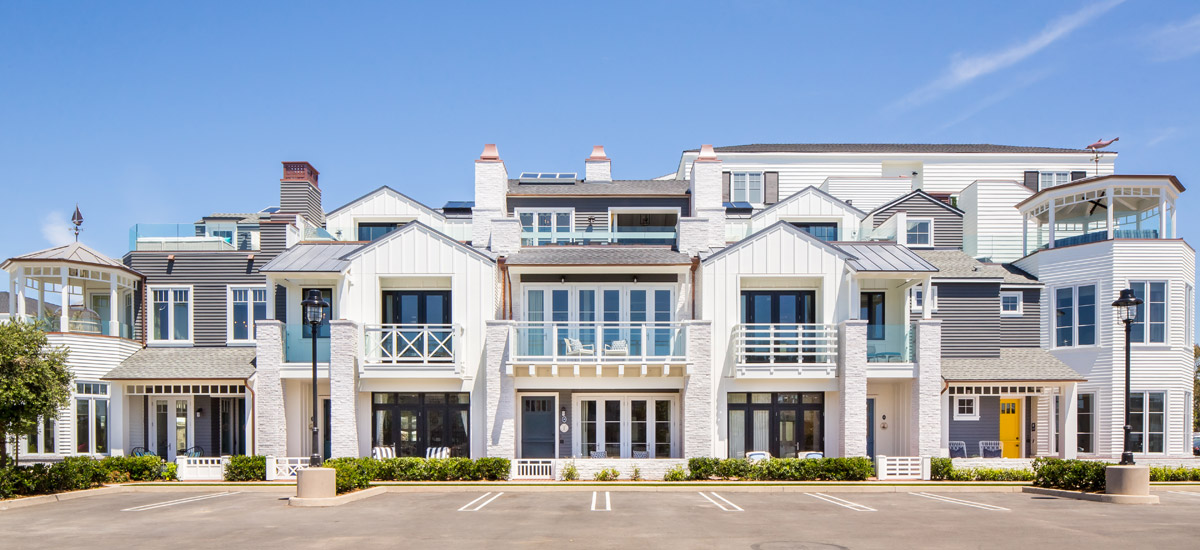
161 113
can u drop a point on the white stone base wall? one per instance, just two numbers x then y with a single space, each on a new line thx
1027 463
651 469
343 388
270 422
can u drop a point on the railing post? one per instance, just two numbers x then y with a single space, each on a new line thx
645 343
554 342
270 470
881 467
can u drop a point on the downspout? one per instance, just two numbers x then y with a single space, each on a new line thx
695 266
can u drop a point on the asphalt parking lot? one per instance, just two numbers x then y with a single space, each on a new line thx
606 519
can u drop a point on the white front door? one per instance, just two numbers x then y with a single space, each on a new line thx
170 426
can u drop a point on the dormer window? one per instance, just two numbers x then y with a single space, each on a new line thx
920 232
747 187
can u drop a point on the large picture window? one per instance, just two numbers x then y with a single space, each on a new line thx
788 425
91 418
171 313
625 426
1150 325
372 231
246 305
1147 415
1075 316
1085 418
412 423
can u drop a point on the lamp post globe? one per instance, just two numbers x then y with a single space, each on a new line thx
1127 306
314 314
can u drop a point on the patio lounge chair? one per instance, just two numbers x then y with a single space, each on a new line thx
755 456
618 347
437 452
641 454
599 454
814 455
572 346
141 451
991 449
958 449
382 452
194 452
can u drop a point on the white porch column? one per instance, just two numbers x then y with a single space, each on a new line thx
12 295
945 450
64 314
1162 216
501 392
1068 445
1174 233
927 297
41 299
270 423
1024 234
1112 205
270 297
852 387
925 433
114 324
699 416
116 418
343 388
1050 243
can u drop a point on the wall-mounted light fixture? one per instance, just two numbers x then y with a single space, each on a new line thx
562 416
635 279
562 280
199 411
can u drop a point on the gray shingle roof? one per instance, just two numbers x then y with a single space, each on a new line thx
598 256
186 363
615 187
313 257
955 264
883 256
888 148
1014 364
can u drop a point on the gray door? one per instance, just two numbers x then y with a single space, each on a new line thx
537 427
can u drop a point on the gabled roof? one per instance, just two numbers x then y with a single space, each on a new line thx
208 363
781 226
921 194
884 256
381 191
956 264
74 252
888 148
615 255
1013 365
608 188
416 226
808 190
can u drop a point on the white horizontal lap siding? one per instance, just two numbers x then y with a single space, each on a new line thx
797 173
868 194
992 224
91 357
952 176
381 205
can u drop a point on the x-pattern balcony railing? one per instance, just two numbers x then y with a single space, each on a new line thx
411 343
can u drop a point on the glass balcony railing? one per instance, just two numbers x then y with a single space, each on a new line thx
298 346
890 343
599 342
643 235
184 237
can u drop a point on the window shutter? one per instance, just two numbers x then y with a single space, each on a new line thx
725 177
770 187
1078 175
1031 180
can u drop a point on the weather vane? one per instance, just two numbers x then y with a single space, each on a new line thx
1096 147
77 219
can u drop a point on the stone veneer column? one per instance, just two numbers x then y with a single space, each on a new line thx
852 387
501 393
925 428
343 388
698 412
270 423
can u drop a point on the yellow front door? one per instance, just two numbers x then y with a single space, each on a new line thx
1010 427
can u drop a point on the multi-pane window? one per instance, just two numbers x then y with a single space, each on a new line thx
247 306
966 408
1050 179
542 227
1150 325
1010 304
1147 415
918 298
171 315
920 233
41 439
412 423
626 427
372 231
91 418
1075 316
1085 422
746 187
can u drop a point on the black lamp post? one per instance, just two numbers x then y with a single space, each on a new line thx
314 313
1127 309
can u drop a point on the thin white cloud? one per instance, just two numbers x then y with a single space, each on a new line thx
963 70
1176 40
56 229
1163 135
1001 95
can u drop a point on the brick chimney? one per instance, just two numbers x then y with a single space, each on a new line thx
598 167
299 194
491 195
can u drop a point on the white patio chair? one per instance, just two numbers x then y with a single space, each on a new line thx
617 347
641 454
382 452
437 452
991 449
572 346
599 454
755 456
958 449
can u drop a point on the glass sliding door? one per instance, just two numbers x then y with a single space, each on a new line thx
427 312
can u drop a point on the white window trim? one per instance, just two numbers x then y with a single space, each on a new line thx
150 336
1075 312
918 220
535 211
1091 422
1145 341
1166 431
919 308
974 399
1020 296
91 398
626 421
762 182
229 339
1056 172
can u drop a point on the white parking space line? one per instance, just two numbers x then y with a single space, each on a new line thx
726 507
157 505
467 507
841 502
1188 493
962 502
607 502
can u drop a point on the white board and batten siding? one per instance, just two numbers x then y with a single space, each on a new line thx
420 258
383 205
992 225
1168 367
810 205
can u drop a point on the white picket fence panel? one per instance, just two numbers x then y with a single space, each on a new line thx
901 467
201 468
284 467
533 468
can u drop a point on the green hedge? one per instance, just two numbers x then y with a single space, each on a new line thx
1073 475
246 468
1174 474
782 469
358 473
75 473
942 469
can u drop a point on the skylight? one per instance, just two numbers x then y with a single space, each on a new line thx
548 177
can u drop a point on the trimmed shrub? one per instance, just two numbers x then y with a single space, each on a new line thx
402 469
494 468
636 475
1073 475
607 474
675 473
352 474
942 469
76 473
733 468
703 467
133 468
783 469
1165 473
570 473
246 468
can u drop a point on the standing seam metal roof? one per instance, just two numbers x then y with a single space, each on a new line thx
883 256
313 257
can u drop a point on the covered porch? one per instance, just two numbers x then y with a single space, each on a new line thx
1100 209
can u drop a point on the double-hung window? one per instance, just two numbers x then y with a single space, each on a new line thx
1150 325
544 226
246 305
1047 180
1010 304
1147 415
171 313
746 187
918 298
920 232
1075 316
91 418
1085 415
966 408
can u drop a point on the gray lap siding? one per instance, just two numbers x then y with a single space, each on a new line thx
987 428
947 224
970 314
1023 331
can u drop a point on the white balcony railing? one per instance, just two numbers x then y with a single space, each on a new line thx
770 345
568 342
405 343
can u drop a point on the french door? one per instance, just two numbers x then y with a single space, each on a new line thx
599 316
788 425
773 319
427 314
170 426
625 426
